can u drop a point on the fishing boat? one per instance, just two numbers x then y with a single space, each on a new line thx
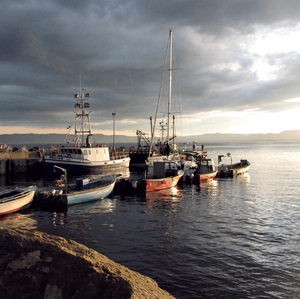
231 170
83 156
17 199
158 149
142 154
206 169
165 175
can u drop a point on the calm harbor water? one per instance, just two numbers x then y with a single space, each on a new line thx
228 238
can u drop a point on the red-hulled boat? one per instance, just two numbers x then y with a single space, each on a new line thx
165 175
206 168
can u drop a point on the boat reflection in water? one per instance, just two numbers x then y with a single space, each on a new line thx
18 220
171 195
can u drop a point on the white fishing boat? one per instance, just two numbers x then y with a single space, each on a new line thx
83 156
231 170
16 199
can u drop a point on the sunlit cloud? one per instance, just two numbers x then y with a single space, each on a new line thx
267 122
293 100
275 40
118 132
248 121
264 70
228 60
268 43
233 66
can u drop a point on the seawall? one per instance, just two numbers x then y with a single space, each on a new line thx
20 162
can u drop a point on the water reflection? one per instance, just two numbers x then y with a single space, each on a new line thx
60 219
208 188
172 194
106 205
18 220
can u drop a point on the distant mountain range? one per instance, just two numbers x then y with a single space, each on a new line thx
55 139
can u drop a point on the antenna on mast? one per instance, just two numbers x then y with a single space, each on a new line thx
80 82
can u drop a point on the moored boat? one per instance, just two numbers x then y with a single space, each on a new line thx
17 199
142 155
83 156
49 197
189 166
86 190
206 169
230 170
162 148
165 175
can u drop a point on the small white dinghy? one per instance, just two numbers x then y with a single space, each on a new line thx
13 200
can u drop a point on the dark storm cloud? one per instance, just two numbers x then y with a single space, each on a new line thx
118 48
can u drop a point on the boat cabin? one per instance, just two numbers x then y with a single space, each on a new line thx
162 169
206 166
88 153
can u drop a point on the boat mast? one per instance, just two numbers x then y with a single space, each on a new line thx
170 88
83 118
174 147
160 92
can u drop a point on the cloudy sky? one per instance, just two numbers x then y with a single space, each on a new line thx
237 64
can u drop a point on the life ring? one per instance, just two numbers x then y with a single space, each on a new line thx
68 156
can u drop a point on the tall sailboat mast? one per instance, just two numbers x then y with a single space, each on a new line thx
170 85
169 51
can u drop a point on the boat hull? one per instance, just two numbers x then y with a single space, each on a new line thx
81 166
87 195
237 171
198 178
18 202
149 185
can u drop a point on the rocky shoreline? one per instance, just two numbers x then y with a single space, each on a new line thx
37 265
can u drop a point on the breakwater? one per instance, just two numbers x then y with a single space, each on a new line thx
21 162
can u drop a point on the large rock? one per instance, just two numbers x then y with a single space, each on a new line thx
38 265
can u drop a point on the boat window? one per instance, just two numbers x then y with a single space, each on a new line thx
79 152
85 152
167 166
89 152
74 151
62 150
96 151
70 151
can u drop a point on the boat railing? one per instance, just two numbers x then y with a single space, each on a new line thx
14 197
